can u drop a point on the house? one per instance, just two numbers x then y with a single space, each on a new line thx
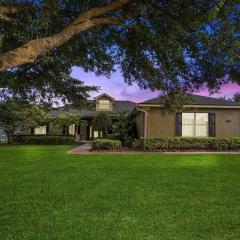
101 103
203 117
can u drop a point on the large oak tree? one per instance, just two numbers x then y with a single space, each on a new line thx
174 46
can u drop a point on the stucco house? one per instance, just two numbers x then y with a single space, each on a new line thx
203 117
102 103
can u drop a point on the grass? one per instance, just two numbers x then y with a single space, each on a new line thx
47 194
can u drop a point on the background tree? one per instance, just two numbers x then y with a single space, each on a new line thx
125 127
17 117
103 122
236 97
161 45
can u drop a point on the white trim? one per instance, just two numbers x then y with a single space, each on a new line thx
103 94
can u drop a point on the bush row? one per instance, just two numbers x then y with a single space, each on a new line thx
188 143
106 144
42 139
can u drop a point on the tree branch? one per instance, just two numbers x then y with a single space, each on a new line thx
29 52
5 10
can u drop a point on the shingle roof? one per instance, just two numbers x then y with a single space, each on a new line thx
198 100
91 112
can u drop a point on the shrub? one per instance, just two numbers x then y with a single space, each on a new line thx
188 143
42 139
106 144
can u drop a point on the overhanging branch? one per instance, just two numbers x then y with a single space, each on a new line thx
29 52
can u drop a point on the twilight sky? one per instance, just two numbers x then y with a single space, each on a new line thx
117 88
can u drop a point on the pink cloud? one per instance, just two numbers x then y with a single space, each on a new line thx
117 88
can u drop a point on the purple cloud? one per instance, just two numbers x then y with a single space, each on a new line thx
117 88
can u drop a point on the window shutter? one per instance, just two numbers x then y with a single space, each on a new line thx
212 124
178 124
32 130
47 128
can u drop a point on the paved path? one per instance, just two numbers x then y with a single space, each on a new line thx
83 149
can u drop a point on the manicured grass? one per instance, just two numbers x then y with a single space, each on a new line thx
47 194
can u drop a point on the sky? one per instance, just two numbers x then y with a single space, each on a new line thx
117 88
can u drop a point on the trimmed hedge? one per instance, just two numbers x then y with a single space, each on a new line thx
42 139
106 144
189 143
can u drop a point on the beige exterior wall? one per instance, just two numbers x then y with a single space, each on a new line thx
163 124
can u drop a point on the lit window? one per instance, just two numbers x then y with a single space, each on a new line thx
195 124
71 129
40 130
104 105
95 134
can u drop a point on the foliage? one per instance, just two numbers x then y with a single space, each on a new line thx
106 144
160 45
125 127
42 139
65 120
188 143
103 122
236 97
16 117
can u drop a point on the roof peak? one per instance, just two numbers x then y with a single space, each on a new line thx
104 94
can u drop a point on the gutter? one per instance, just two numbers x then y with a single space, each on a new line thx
145 120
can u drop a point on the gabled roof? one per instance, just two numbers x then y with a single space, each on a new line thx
197 100
91 111
102 95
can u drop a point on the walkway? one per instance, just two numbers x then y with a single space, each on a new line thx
83 149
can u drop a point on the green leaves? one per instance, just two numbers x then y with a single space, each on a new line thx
17 117
103 122
161 45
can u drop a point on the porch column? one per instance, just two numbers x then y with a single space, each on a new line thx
90 131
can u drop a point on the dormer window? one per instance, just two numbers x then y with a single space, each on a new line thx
104 105
104 102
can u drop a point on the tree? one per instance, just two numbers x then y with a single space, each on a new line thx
125 127
16 117
161 45
103 122
65 120
236 97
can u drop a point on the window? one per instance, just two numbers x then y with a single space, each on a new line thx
95 134
71 129
195 125
40 130
104 105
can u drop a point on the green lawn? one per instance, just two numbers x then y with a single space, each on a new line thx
47 194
